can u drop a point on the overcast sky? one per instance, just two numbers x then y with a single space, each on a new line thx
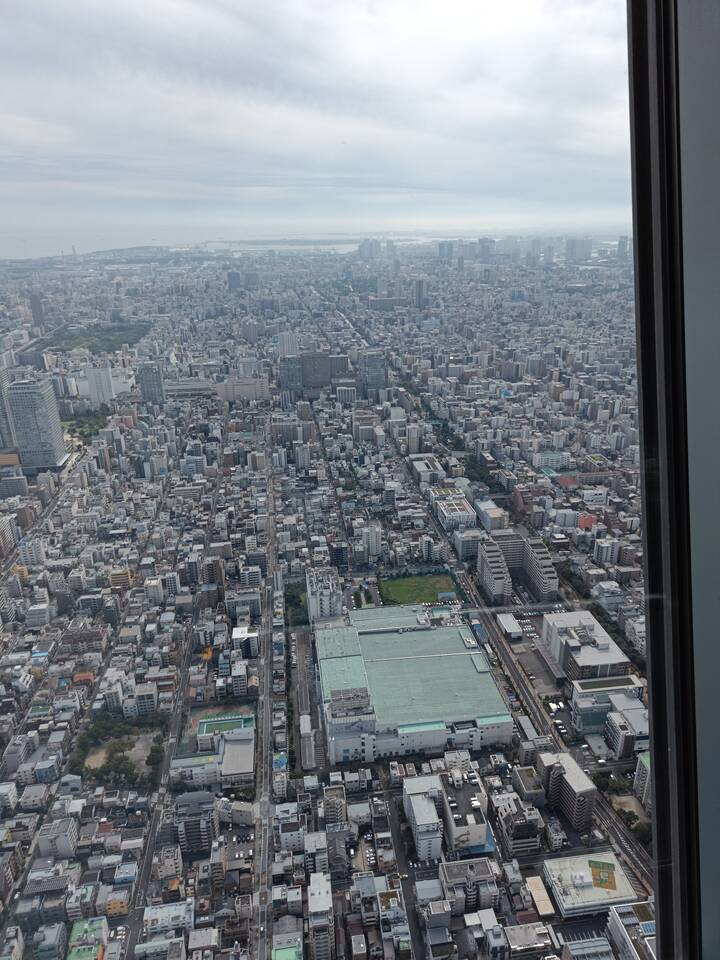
183 120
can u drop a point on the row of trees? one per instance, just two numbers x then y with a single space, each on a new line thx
296 604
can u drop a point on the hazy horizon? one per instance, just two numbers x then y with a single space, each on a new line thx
180 121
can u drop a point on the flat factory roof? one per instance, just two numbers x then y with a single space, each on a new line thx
432 674
588 883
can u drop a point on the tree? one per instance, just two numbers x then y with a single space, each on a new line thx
155 756
629 817
601 781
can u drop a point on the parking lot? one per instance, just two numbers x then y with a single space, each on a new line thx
536 669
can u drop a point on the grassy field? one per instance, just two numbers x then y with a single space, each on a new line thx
420 589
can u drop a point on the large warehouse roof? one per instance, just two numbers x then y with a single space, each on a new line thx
414 674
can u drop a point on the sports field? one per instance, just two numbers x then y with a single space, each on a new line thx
420 589
209 714
225 722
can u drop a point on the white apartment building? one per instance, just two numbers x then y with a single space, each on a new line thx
321 921
154 591
324 594
421 798
567 788
32 552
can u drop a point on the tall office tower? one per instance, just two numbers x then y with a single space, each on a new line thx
372 373
319 368
38 430
7 428
445 250
288 345
421 294
372 536
233 280
622 249
36 306
152 385
413 438
100 385
486 248
578 248
290 373
369 249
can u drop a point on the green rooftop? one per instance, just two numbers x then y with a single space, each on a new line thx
337 642
87 952
82 930
384 618
224 722
287 953
415 673
421 727
342 673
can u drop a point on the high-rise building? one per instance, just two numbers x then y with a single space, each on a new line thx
372 375
420 298
445 250
486 248
290 373
196 821
578 248
36 419
288 343
100 385
233 280
414 436
151 383
321 917
567 787
319 368
324 594
36 306
622 249
369 249
7 428
373 540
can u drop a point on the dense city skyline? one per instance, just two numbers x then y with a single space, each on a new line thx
322 604
323 592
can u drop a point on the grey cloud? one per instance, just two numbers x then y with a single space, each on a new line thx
197 116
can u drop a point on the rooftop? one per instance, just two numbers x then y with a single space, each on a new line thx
421 675
588 883
453 873
225 722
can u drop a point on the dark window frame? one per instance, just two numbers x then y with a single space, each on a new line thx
658 251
